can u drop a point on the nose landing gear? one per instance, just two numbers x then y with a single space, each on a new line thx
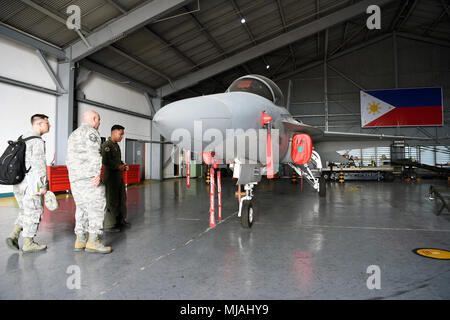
246 211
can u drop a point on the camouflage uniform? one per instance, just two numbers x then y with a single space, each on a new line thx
31 207
84 162
116 196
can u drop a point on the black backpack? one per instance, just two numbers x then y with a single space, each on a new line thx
12 162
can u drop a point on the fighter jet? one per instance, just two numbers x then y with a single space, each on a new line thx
249 129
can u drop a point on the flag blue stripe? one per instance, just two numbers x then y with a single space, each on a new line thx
420 97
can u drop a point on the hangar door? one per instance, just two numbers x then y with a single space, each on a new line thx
135 154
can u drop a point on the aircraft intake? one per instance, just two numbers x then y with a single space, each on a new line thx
301 148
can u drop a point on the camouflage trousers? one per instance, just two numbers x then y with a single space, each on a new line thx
90 204
31 209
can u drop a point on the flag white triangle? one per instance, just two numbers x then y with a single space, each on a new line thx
372 108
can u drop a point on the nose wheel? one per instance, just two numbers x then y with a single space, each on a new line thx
246 211
247 214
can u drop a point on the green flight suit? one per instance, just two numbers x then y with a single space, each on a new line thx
116 196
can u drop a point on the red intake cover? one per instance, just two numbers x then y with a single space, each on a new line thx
208 157
301 148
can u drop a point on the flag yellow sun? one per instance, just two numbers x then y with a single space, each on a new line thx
374 107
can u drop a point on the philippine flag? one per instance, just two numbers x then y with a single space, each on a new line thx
402 107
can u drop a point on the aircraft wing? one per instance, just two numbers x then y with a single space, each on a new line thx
347 136
295 126
318 135
328 142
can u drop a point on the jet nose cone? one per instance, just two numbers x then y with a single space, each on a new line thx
166 120
169 118
162 117
183 116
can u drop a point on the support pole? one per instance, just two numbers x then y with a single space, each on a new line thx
212 222
325 80
219 193
188 169
395 52
289 95
156 163
64 110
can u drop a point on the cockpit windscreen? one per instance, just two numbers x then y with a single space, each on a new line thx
259 85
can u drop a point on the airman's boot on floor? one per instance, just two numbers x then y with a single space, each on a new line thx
112 229
80 242
125 223
13 239
94 245
30 246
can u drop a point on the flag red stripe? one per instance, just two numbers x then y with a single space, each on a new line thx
409 116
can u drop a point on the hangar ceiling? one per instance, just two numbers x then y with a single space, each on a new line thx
201 46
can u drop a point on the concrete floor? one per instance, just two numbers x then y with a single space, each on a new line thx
300 246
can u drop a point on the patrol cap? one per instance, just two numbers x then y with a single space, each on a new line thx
50 201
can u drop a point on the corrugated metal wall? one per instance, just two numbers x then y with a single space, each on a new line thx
419 65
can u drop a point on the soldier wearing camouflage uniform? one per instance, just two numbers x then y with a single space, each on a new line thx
31 203
84 163
116 196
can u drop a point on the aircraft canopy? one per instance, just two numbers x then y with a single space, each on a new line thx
259 85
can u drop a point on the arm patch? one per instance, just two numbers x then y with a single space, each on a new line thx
93 137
